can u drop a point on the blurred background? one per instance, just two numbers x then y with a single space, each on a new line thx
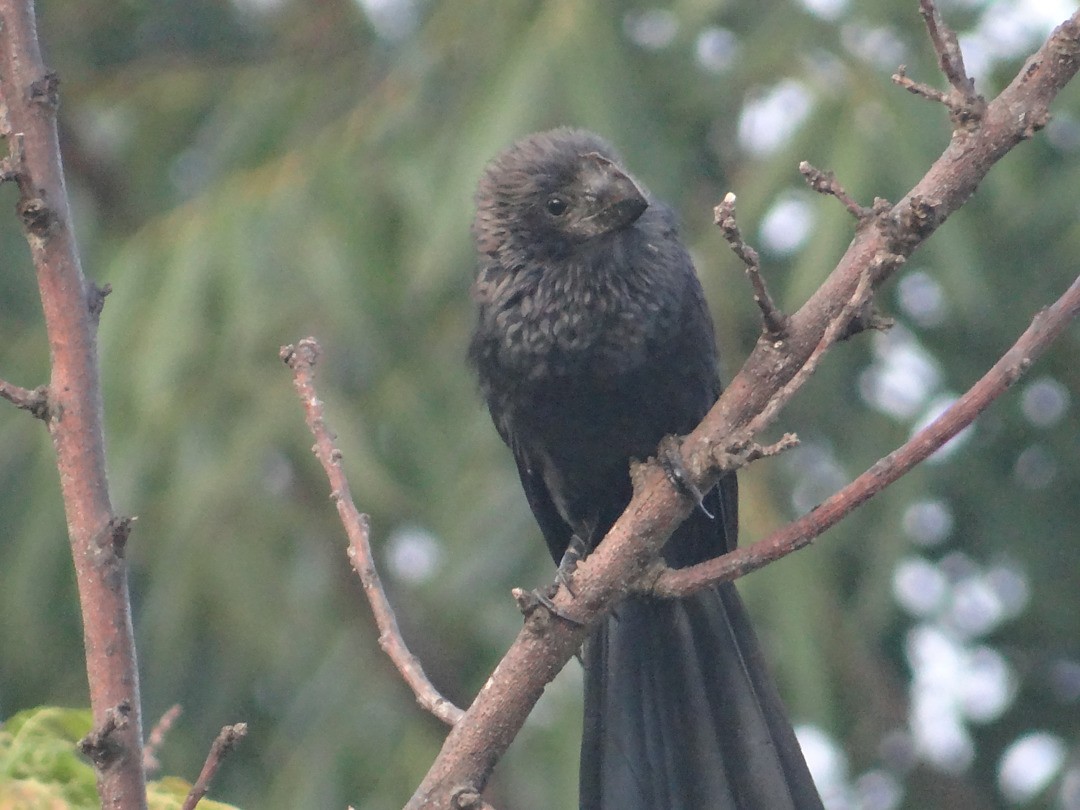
247 173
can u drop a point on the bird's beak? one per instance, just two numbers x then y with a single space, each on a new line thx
617 199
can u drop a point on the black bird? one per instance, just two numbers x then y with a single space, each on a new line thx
592 343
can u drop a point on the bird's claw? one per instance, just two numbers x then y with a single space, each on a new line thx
528 601
671 460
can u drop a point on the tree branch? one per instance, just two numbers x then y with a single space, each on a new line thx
947 48
1045 327
36 400
302 359
826 183
837 328
774 321
30 97
629 551
227 739
966 107
886 242
156 738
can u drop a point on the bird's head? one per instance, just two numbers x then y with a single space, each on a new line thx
550 192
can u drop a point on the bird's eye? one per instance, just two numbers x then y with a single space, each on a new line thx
556 206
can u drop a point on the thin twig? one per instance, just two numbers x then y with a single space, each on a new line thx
966 107
1044 329
774 320
826 183
947 48
833 332
157 737
34 400
740 452
918 88
302 360
227 739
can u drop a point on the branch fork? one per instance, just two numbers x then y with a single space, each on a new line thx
966 107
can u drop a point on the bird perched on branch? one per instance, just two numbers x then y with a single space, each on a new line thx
593 342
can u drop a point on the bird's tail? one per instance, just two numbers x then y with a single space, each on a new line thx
681 713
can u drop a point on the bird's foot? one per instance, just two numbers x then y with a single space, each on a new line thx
528 601
670 458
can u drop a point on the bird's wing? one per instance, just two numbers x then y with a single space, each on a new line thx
556 531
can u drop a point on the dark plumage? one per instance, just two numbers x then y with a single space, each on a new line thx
593 342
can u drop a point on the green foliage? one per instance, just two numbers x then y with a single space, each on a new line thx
40 766
39 763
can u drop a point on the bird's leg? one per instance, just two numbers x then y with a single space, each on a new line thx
575 552
670 458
